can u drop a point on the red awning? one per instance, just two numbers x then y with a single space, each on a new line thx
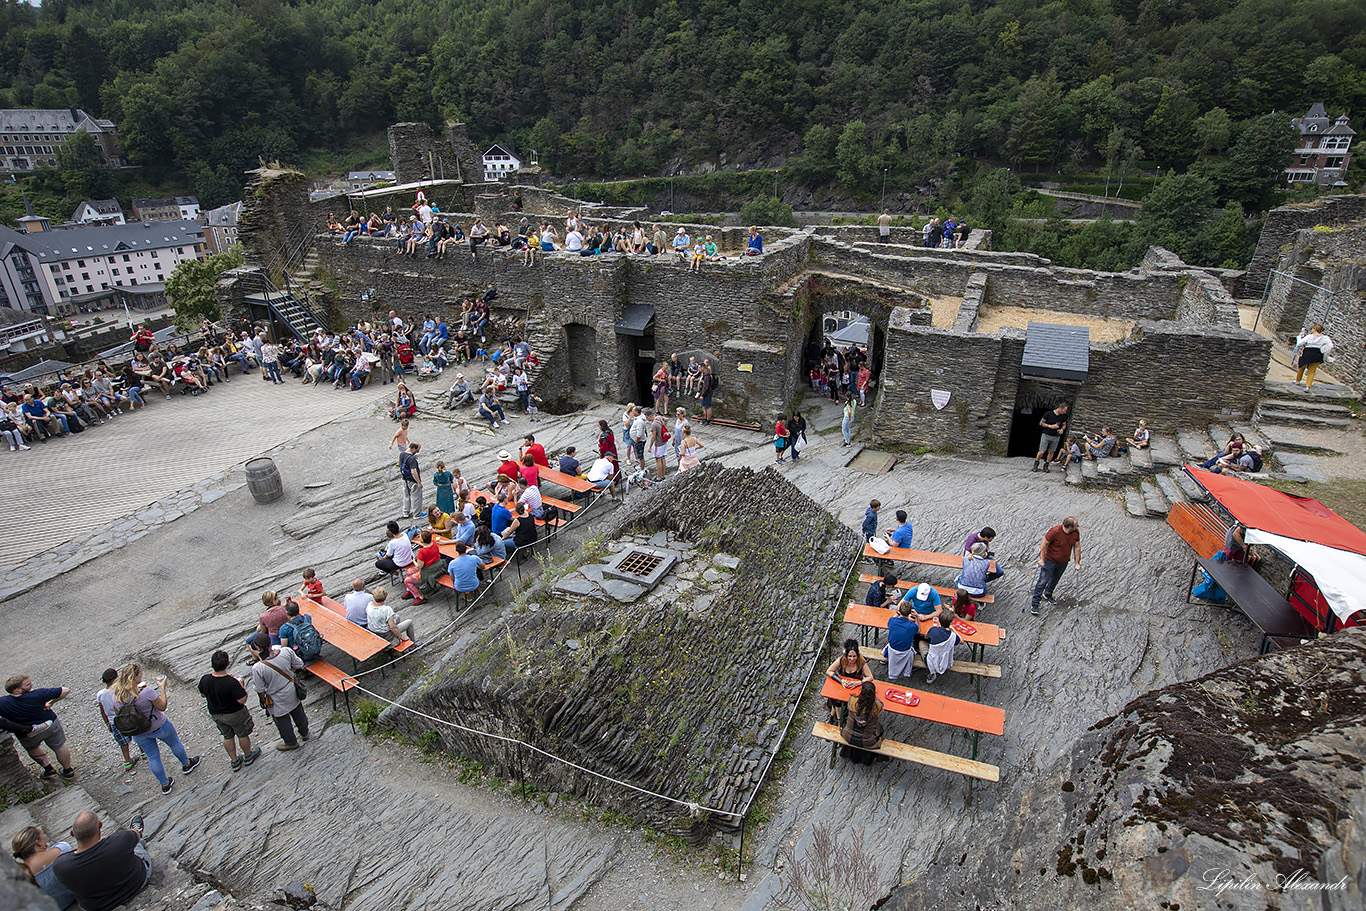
1302 518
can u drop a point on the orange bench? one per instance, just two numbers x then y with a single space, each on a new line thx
974 668
358 642
333 676
944 591
560 504
1199 527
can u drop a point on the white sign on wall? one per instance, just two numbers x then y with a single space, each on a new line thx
940 397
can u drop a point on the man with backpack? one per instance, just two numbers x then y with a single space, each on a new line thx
299 633
227 700
706 386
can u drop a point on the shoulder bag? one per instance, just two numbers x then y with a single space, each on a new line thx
300 690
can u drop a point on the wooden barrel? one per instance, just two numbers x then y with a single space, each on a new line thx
263 479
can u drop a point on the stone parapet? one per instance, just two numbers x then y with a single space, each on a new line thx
1278 233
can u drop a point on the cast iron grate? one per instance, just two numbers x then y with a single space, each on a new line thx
639 563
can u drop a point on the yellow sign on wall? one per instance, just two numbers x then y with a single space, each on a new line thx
745 368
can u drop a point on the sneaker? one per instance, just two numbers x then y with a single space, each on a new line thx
1034 610
1045 468
932 678
49 773
68 774
251 757
190 766
236 764
406 596
419 601
166 788
1049 598
1035 468
131 764
136 825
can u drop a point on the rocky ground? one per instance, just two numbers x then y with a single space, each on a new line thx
379 824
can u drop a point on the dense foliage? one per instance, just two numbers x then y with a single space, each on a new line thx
893 91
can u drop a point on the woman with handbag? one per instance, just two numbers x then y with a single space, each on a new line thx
150 703
274 676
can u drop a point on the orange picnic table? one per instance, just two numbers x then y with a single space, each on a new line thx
959 713
570 481
876 618
330 618
926 557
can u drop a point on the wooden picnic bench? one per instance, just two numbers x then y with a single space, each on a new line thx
944 591
905 751
926 557
876 618
972 717
569 481
974 668
1258 600
1199 527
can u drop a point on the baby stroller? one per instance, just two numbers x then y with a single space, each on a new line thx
404 356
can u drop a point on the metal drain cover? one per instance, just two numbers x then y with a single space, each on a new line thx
643 566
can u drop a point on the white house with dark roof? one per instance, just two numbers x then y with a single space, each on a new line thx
500 162
99 212
30 137
21 331
363 180
1324 150
221 225
42 269
174 208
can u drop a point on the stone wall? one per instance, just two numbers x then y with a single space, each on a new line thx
1332 260
1278 233
276 210
684 691
1173 374
971 307
416 154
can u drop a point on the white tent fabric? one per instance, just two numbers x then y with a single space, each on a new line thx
1339 574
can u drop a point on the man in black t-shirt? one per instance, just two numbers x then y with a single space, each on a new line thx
104 873
227 700
1053 425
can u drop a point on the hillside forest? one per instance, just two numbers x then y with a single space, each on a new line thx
941 102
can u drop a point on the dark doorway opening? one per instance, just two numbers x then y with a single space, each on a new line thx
581 349
833 333
1024 432
1032 400
645 368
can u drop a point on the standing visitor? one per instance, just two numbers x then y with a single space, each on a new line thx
24 705
1311 349
227 703
1059 543
411 472
273 677
141 715
847 423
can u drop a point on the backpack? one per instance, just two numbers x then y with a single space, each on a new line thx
1256 460
664 434
308 643
130 722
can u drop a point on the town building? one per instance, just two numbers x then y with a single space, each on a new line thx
50 271
176 208
364 180
500 161
29 138
99 212
21 331
1324 150
220 229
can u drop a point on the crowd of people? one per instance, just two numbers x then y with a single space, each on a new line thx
429 231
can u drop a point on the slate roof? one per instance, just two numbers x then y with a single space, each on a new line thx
62 244
1057 352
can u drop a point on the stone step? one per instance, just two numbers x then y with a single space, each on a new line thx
1329 392
1192 490
1170 489
1164 452
1141 460
1292 439
1296 406
1074 475
1134 503
1298 417
1195 446
1088 470
1154 499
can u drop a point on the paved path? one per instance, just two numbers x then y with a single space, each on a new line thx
65 487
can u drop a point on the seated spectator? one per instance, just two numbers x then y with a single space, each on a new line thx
1141 437
404 404
356 602
350 228
1236 549
973 578
398 552
903 632
488 546
710 249
756 242
491 410
522 531
297 633
986 536
529 472
33 852
882 592
849 670
1103 446
1249 460
941 640
603 476
381 620
569 464
901 535
428 566
1232 451
466 570
274 616
862 728
478 235
104 873
682 245
963 605
924 600
530 495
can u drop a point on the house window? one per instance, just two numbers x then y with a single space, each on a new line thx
126 258
113 271
1334 162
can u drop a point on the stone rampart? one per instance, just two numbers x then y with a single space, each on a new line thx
683 691
417 154
1278 233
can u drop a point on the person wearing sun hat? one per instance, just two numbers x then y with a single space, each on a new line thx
510 468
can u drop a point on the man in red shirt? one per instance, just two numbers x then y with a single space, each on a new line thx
535 450
510 468
1060 543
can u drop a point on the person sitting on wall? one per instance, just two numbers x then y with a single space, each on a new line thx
1141 437
1102 446
1248 460
1232 451
682 245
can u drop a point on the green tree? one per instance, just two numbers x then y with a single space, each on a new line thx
767 210
1213 131
78 164
1174 213
1233 241
1252 173
992 196
191 285
1033 134
1097 109
1121 155
851 157
1169 134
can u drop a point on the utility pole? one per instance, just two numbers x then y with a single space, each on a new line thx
884 187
